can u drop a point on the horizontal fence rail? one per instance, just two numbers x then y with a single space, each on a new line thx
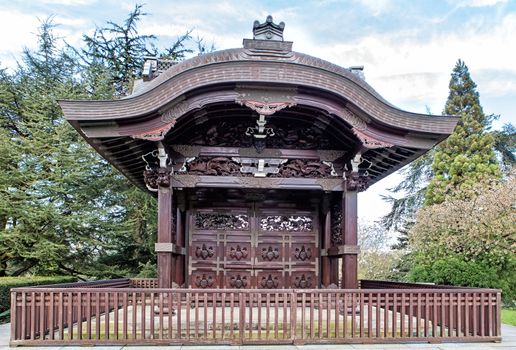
110 315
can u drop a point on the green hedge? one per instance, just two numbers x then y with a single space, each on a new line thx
6 283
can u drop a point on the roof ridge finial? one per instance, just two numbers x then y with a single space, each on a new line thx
268 30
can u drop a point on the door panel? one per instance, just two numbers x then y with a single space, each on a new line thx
253 247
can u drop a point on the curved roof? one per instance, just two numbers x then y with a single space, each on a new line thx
253 66
234 84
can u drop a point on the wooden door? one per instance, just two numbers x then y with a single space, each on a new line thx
253 247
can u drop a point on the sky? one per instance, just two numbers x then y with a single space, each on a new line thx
408 47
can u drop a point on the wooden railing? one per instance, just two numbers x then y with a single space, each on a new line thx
45 316
144 282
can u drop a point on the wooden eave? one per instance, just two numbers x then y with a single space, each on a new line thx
113 127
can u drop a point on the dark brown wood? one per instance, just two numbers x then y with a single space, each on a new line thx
165 259
349 234
253 247
258 315
325 261
180 241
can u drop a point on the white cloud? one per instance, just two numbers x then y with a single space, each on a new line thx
376 7
18 31
480 3
69 2
411 72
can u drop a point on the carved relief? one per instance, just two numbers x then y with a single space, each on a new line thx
216 221
306 168
204 282
171 115
265 102
370 142
238 253
204 252
150 177
238 282
154 178
303 253
155 135
356 182
336 225
303 281
287 135
218 166
286 223
353 120
264 108
269 282
270 253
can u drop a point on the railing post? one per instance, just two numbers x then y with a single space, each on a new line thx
293 315
241 317
14 323
498 314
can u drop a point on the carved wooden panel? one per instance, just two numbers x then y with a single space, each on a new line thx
238 252
253 247
286 223
204 279
239 279
204 251
303 280
269 279
219 221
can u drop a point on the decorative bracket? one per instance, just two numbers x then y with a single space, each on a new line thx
157 175
370 142
356 178
260 167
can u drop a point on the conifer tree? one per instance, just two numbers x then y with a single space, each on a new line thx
467 156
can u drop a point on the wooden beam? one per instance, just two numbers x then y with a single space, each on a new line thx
340 250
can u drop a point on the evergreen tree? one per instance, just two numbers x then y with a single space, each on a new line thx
63 209
467 156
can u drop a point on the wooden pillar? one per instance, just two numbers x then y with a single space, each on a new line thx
164 245
180 241
349 236
325 260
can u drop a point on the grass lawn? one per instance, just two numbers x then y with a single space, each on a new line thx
509 316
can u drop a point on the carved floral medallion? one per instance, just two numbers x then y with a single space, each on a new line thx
303 253
238 253
204 252
238 281
270 253
204 281
269 282
303 281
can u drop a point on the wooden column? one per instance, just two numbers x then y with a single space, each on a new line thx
164 245
325 260
349 236
180 241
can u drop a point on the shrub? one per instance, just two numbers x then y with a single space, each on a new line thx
6 283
